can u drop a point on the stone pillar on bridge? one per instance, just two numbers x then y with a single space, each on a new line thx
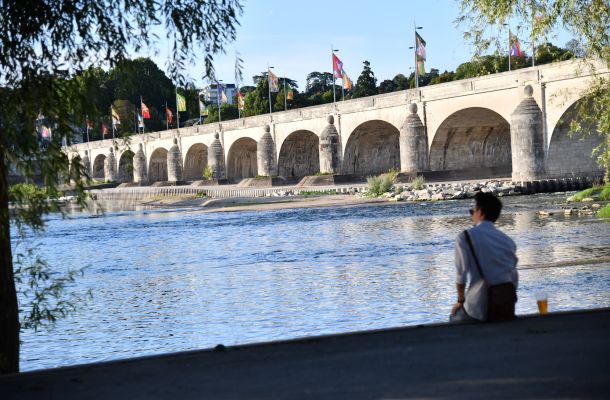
139 166
86 163
329 148
110 167
216 159
174 163
527 139
413 144
265 154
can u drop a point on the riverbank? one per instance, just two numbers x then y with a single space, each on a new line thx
563 355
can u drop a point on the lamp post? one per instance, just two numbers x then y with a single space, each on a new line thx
269 86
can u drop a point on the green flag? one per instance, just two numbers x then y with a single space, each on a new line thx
180 102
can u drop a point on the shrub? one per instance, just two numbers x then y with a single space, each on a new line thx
596 192
378 185
208 173
418 182
392 173
604 195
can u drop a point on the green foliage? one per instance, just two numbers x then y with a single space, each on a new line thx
392 173
367 83
317 192
43 292
587 20
208 173
595 192
378 185
604 212
418 182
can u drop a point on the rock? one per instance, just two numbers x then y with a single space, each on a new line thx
570 211
588 199
437 196
486 190
595 206
544 213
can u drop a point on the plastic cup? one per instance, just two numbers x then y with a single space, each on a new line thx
542 299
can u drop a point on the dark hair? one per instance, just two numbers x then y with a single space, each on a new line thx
489 205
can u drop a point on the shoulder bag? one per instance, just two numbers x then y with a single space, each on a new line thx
501 298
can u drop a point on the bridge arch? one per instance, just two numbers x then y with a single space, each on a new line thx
299 155
242 159
195 161
126 166
472 138
157 166
372 148
98 167
571 155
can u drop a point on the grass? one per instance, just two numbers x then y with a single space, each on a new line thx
604 212
378 185
596 193
316 192
418 182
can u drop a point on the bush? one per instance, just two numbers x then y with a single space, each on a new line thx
208 173
604 195
596 193
378 185
418 182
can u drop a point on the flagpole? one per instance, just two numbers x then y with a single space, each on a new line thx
135 118
285 96
415 54
332 59
509 46
177 111
142 113
238 103
218 100
269 87
342 90
199 101
87 125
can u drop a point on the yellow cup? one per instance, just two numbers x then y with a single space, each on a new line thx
543 303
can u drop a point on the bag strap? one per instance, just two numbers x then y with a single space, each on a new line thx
476 259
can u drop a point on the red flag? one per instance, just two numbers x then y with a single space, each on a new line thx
241 103
169 115
104 129
89 124
145 111
337 67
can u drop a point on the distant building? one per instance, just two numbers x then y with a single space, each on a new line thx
210 93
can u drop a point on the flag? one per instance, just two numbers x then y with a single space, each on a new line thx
337 67
116 120
420 47
515 47
104 129
289 92
169 115
140 121
241 101
145 111
223 94
421 70
273 82
180 102
89 124
203 110
347 82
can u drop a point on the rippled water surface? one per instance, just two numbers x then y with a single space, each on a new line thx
166 281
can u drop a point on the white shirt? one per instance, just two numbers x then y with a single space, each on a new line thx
497 255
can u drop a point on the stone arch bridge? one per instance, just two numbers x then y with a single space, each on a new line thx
512 123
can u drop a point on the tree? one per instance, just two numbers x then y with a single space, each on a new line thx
587 20
39 56
367 83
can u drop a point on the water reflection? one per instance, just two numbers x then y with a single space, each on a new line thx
166 280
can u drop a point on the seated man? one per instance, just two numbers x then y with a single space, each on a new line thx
496 253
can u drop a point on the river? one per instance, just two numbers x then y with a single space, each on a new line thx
174 280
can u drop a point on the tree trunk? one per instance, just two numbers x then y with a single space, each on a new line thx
9 311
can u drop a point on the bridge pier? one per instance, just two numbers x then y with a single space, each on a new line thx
527 140
139 166
110 167
174 163
265 154
216 159
86 163
329 148
413 144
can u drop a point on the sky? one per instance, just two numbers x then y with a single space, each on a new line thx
295 37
